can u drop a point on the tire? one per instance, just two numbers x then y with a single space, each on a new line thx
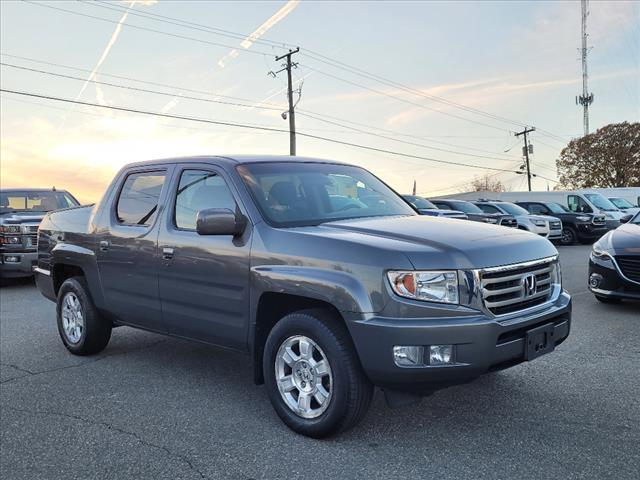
569 236
349 390
603 299
81 327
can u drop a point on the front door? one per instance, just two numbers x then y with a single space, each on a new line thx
127 249
203 279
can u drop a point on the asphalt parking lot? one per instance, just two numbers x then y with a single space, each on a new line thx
155 407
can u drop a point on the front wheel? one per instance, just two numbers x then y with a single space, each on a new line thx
81 327
313 375
569 236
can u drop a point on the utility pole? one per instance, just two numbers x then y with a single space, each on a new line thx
586 98
526 151
291 114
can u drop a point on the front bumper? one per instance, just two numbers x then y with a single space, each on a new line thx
21 268
482 344
589 231
610 282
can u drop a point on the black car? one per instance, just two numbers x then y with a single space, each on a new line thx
474 213
576 227
614 264
425 207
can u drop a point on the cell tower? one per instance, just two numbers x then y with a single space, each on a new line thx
586 98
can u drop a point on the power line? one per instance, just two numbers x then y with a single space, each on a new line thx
315 55
138 27
240 125
275 108
127 87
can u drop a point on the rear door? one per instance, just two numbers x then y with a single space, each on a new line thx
128 247
203 279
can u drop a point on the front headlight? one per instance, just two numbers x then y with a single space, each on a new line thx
539 223
491 220
600 253
432 286
583 219
9 228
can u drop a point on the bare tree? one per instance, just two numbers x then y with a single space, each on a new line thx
486 183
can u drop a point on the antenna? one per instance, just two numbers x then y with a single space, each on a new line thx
586 98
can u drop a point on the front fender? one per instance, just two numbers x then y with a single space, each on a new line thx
340 289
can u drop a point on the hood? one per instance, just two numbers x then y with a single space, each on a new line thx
21 217
439 242
623 240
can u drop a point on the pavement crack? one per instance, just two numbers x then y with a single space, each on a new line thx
120 430
30 373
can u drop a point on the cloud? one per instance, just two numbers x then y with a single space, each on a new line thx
260 31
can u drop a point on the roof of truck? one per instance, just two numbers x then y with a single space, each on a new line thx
29 189
237 159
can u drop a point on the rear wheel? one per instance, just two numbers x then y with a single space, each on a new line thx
81 327
313 376
569 236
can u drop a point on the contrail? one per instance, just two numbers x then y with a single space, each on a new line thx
260 31
105 53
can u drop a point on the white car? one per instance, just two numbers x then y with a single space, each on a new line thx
543 225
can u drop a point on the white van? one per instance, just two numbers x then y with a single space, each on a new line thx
626 199
579 201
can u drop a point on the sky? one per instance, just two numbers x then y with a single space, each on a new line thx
458 79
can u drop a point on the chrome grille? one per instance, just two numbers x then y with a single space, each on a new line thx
516 287
599 220
555 225
509 222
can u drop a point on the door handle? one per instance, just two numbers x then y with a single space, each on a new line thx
167 253
104 246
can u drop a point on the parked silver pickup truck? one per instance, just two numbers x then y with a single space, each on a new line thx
326 277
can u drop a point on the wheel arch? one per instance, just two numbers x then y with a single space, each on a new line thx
270 309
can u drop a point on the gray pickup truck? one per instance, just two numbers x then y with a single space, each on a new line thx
326 277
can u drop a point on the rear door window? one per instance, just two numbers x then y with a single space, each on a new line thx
138 200
489 209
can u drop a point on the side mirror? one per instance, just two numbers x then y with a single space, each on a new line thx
220 221
626 219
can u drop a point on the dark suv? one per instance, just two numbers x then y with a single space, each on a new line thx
576 227
318 270
475 213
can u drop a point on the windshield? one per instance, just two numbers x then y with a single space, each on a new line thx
35 201
466 207
621 203
557 208
419 202
301 194
600 202
512 209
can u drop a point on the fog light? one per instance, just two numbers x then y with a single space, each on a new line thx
408 356
595 279
11 259
441 355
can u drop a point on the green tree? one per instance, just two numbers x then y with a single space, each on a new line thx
609 157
